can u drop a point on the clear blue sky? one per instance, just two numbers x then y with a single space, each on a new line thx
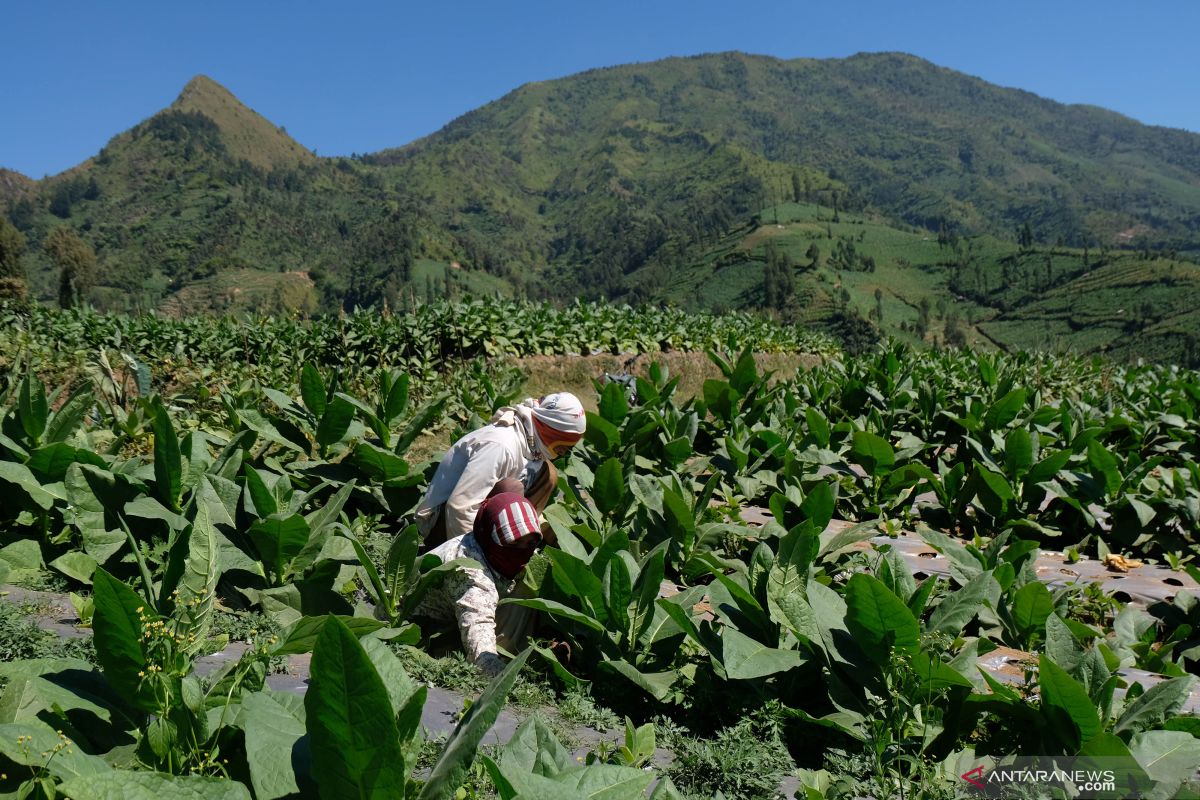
363 76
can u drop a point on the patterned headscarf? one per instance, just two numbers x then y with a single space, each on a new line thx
558 419
502 521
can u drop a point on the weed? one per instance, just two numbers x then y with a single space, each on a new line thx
21 638
747 760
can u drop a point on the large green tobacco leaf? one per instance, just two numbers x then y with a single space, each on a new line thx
1154 707
1005 410
960 607
879 621
609 489
18 475
32 408
557 609
334 423
168 463
279 539
274 724
746 659
1104 467
1168 757
1018 452
26 697
302 636
312 390
575 578
68 418
129 785
1031 605
656 684
873 452
50 462
614 407
591 782
118 636
353 735
67 763
1066 706
456 758
201 570
534 750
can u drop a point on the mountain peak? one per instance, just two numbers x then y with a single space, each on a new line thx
246 133
14 185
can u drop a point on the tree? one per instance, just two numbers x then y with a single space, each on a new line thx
1025 236
12 271
814 253
76 263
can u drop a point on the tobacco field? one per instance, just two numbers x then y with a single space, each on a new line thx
172 474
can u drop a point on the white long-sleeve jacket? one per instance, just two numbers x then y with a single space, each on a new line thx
469 597
472 466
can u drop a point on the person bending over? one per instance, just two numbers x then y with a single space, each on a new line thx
520 443
502 539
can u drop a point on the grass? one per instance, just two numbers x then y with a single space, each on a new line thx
21 638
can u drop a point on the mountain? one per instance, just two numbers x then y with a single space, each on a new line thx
924 144
14 185
663 181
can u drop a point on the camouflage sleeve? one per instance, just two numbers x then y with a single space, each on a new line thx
476 605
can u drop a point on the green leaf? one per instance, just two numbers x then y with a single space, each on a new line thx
422 421
872 452
614 406
75 564
279 539
958 608
1066 705
262 500
274 723
397 400
377 463
656 684
50 462
168 463
746 659
312 390
118 636
618 592
32 409
879 620
1030 607
818 427
1004 410
1168 757
64 766
1018 452
1104 467
27 697
20 476
1047 468
745 373
201 570
557 609
67 419
818 506
334 422
130 785
1152 709
352 730
601 434
301 637
609 488
456 758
